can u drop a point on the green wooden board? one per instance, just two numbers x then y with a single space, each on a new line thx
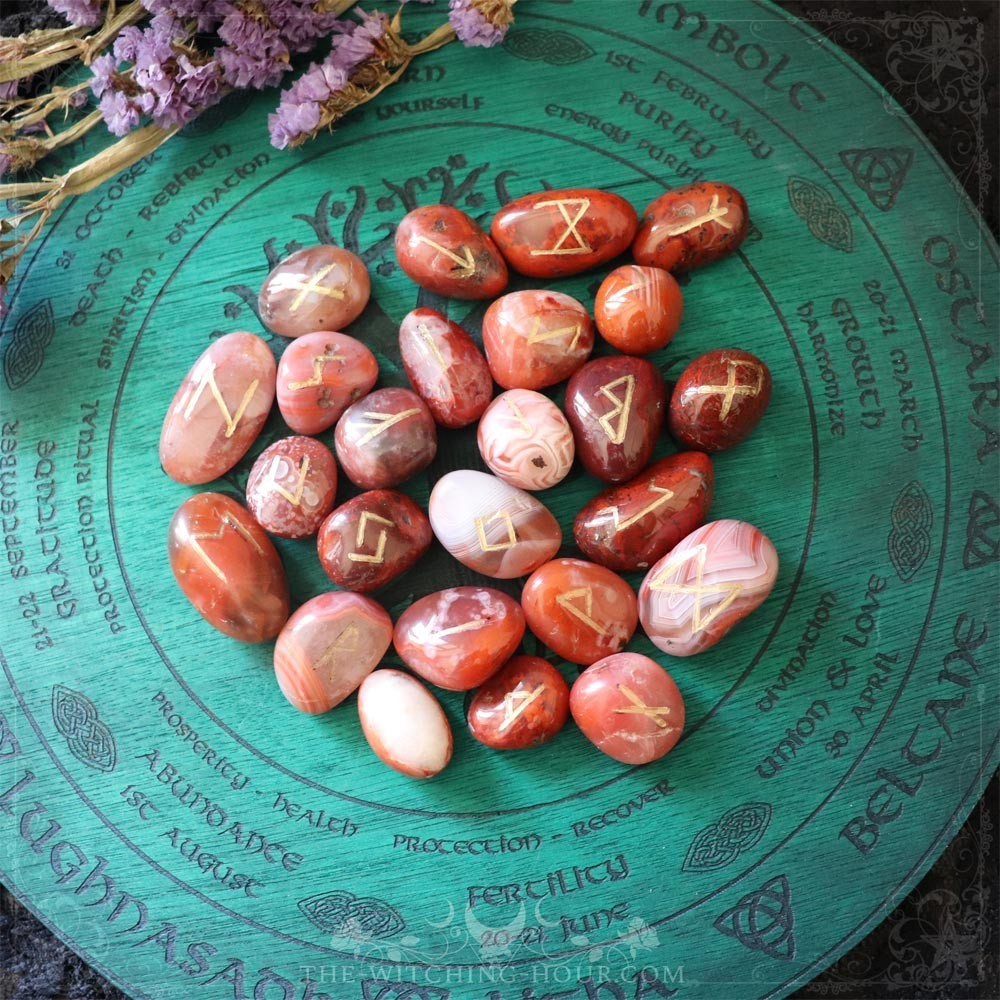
174 820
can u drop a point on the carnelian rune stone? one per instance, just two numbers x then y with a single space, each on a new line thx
445 251
321 287
691 226
227 567
372 539
218 410
629 707
630 526
551 234
458 637
524 704
580 610
292 486
319 376
445 366
638 309
536 338
616 407
328 647
719 399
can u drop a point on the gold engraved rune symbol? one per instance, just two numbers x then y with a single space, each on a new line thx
428 338
636 285
714 214
537 336
465 266
663 495
317 376
580 205
697 589
225 521
622 408
511 535
583 611
272 479
732 389
207 377
314 284
639 707
428 632
515 703
382 422
359 539
518 417
346 642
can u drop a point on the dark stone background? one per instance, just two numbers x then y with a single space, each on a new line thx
940 942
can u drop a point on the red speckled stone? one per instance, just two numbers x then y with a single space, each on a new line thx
328 647
319 376
446 368
218 410
580 610
524 704
317 288
228 568
705 585
719 399
616 406
691 226
629 707
385 438
291 487
630 526
458 637
536 338
638 309
444 251
372 539
551 234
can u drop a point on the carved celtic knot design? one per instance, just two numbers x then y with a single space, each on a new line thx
909 541
387 989
879 172
24 354
732 834
763 920
982 539
88 739
557 48
343 914
825 219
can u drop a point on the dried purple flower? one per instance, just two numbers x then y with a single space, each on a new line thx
480 22
82 13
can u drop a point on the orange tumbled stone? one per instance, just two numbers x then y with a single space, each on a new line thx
228 568
638 309
328 647
580 610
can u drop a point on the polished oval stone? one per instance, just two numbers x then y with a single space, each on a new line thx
551 234
319 376
629 707
385 438
536 338
292 486
317 288
372 539
616 406
328 647
691 226
638 309
580 610
719 399
713 579
445 366
491 526
630 526
458 637
526 440
404 724
218 410
227 567
443 250
524 704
